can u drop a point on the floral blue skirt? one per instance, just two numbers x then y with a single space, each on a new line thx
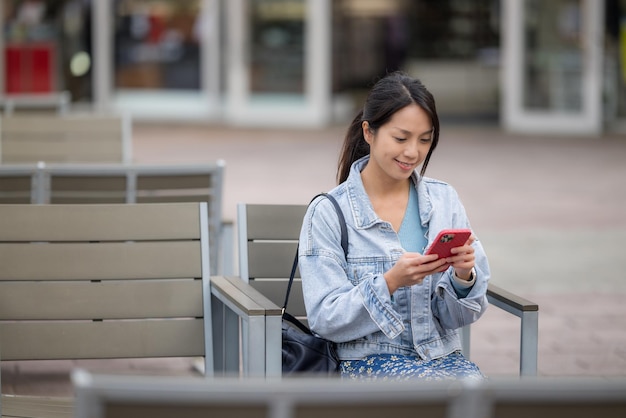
400 367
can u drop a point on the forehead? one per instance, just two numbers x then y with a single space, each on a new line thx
411 119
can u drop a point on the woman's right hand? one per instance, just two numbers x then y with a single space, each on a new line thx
412 268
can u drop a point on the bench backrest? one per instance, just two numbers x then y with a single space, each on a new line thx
102 396
120 183
572 397
63 138
268 238
107 396
104 281
58 101
19 183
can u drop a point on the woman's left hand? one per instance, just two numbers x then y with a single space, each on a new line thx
463 259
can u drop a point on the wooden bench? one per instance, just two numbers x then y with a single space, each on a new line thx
105 281
126 183
267 239
58 102
572 397
20 183
146 183
66 138
109 396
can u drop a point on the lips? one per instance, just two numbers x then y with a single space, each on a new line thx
404 166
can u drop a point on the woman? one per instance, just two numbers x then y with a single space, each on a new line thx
393 312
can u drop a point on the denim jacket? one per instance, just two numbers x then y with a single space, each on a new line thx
348 302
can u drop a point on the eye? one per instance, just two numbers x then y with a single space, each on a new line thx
399 139
425 140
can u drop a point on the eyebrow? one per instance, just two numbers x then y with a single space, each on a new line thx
430 131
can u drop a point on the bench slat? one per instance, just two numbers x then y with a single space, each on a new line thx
26 223
102 340
271 259
37 407
100 260
80 300
55 138
274 222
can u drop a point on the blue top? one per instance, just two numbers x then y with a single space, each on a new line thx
412 234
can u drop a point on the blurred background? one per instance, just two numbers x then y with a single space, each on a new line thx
528 65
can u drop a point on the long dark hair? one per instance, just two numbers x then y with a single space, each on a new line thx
390 94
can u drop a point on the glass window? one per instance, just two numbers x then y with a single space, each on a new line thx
615 60
277 46
454 28
157 44
372 38
48 47
553 55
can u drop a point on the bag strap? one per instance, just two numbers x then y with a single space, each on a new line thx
344 243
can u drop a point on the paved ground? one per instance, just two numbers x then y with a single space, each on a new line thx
549 210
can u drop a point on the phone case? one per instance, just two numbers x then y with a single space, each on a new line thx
448 239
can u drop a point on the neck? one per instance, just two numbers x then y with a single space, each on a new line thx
389 199
380 185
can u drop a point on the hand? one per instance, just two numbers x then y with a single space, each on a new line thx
463 259
411 269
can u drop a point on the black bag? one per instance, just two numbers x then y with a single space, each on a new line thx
302 351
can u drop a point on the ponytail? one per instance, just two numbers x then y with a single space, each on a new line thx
354 147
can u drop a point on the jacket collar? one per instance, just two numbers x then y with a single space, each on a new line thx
360 206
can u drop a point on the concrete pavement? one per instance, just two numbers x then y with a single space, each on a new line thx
549 210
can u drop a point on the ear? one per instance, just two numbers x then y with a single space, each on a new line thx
367 132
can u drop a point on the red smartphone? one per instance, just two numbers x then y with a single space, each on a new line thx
448 239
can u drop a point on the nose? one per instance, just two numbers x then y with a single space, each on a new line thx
412 149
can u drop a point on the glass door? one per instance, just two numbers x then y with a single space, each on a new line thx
615 66
158 58
278 62
552 69
276 54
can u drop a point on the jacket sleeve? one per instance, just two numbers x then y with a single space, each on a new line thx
337 309
450 310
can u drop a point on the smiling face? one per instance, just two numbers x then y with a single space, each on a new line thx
399 146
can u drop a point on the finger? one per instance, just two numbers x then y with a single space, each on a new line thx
424 259
461 256
426 269
463 262
443 268
468 249
433 265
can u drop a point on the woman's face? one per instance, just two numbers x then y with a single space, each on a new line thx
400 145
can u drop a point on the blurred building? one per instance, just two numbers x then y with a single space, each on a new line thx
534 66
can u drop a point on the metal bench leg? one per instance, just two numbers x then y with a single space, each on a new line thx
274 338
254 346
529 343
465 333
